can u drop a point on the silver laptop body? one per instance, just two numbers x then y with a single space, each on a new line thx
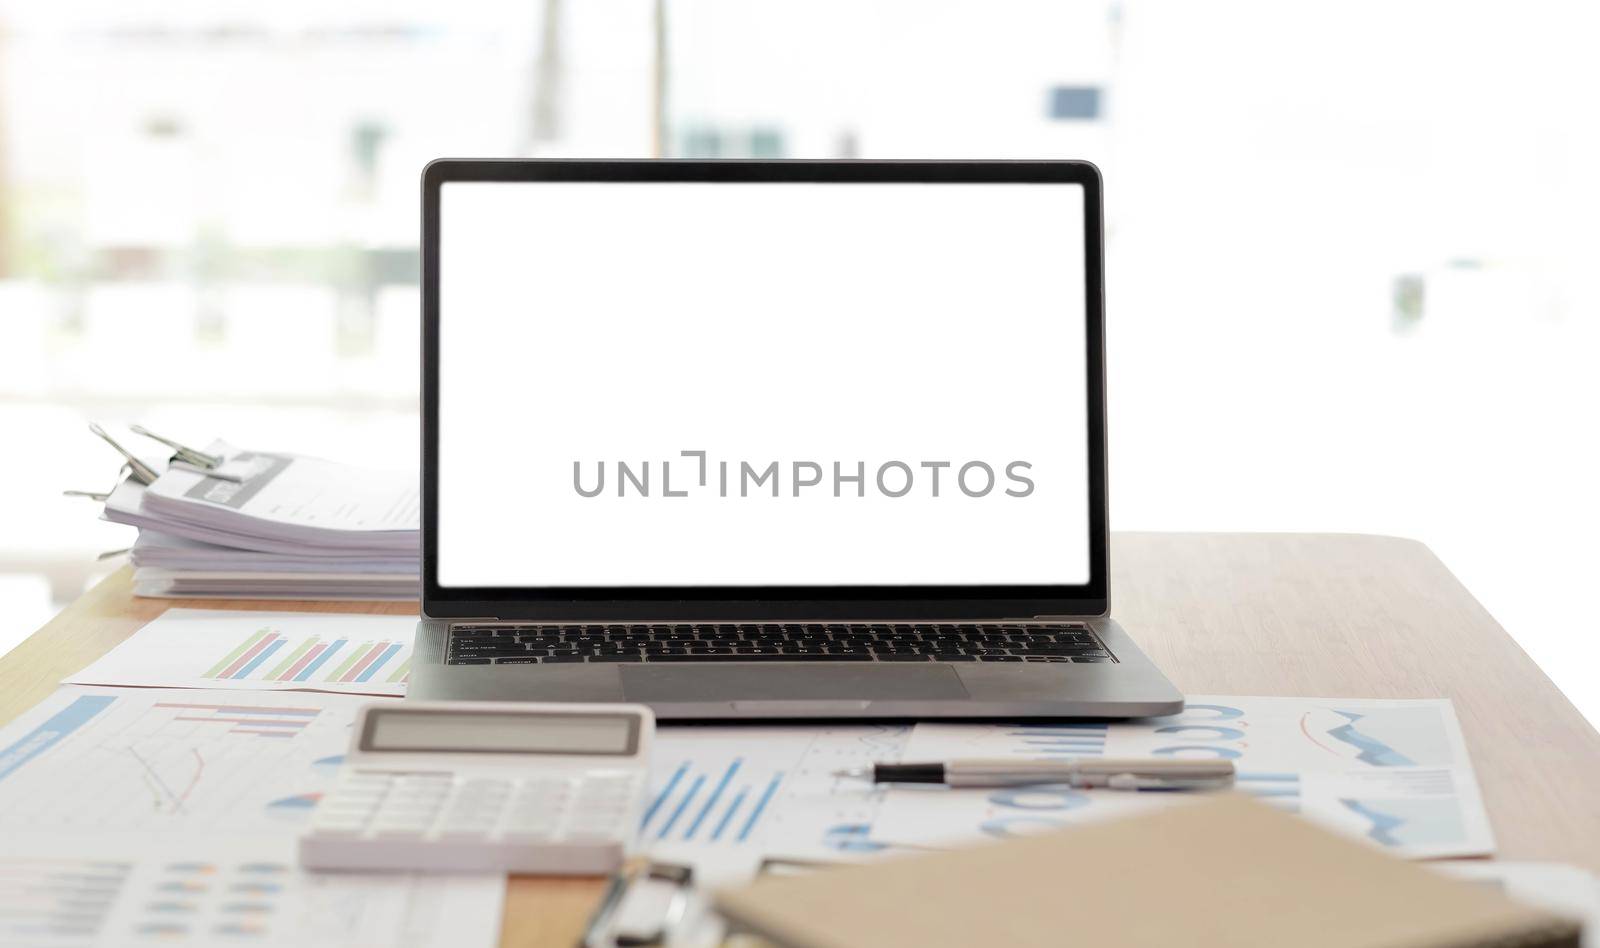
769 440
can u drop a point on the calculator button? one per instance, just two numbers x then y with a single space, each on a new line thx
483 797
608 795
413 796
403 815
403 818
357 796
339 817
537 827
338 829
413 801
342 817
470 817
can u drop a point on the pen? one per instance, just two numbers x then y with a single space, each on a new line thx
1151 773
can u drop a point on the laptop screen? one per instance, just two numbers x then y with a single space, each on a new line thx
762 384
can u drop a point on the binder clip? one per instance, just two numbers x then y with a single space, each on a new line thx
188 455
137 469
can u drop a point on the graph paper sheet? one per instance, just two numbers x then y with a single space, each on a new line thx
262 651
1393 772
141 815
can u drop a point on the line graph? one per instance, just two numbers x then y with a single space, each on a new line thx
137 760
155 779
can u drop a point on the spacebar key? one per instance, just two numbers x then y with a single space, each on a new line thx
758 658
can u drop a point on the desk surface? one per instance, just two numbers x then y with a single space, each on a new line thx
1247 614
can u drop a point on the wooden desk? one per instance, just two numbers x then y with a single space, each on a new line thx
1248 614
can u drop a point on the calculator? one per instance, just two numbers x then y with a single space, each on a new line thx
478 786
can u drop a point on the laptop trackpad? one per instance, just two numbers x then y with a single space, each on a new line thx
797 682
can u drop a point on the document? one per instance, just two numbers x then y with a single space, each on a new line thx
1392 772
284 504
295 497
178 763
262 651
77 891
141 815
725 799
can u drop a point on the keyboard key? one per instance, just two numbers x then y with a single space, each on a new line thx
902 657
999 658
1086 659
860 657
953 657
1060 650
617 658
555 659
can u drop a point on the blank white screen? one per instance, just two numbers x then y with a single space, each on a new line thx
593 323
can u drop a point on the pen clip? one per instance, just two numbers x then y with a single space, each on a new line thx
1137 782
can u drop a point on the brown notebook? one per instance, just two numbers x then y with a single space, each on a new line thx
1220 871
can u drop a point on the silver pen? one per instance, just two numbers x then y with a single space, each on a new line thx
1146 773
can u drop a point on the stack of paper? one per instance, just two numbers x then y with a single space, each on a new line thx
288 528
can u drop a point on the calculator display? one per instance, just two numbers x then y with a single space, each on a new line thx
487 732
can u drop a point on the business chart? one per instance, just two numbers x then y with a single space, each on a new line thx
137 761
1392 772
725 798
74 892
197 648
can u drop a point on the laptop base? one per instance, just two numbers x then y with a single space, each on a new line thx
1131 686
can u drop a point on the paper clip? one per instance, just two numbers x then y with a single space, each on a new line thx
188 455
141 471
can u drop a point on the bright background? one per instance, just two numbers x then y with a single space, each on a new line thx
1351 245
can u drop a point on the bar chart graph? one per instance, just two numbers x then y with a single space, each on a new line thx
710 805
310 658
727 797
245 719
275 651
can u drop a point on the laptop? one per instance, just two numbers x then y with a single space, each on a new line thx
769 440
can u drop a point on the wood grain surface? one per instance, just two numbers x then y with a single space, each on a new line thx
1327 615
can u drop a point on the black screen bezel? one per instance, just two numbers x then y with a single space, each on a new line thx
767 602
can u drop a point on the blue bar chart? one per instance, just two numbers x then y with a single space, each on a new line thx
696 803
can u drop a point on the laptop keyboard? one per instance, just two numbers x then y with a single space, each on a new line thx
508 644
